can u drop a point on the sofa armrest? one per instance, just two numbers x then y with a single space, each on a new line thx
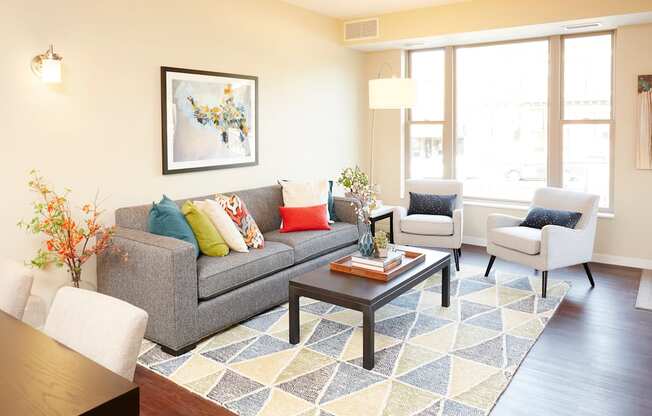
458 226
501 220
562 246
159 275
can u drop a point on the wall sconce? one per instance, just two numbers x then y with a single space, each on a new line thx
47 66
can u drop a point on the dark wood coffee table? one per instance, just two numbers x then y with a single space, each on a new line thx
364 295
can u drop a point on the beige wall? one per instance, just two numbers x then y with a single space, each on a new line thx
624 239
479 15
101 129
388 131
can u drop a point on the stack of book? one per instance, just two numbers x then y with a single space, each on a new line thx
392 260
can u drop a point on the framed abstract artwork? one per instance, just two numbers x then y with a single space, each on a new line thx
209 120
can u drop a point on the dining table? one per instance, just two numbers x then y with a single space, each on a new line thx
40 376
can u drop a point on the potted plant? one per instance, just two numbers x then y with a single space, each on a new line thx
381 243
357 186
68 241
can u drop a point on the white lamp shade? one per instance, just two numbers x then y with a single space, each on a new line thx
391 93
51 71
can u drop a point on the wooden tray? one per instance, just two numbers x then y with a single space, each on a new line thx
409 261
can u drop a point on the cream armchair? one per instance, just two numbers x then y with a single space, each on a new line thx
436 231
553 246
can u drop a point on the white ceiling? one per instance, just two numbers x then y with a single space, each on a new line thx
347 9
512 33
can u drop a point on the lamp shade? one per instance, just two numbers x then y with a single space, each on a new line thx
51 71
391 93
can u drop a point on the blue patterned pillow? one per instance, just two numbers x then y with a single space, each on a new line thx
429 204
540 217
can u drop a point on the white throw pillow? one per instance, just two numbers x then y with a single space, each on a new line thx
224 225
305 194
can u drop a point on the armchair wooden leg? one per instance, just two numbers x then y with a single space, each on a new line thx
456 256
459 252
491 263
588 274
544 283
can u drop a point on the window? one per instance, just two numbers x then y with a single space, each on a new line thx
502 118
587 115
426 118
508 118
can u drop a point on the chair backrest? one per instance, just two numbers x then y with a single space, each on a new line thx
104 329
561 199
436 187
15 286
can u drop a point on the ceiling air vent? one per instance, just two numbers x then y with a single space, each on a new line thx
361 29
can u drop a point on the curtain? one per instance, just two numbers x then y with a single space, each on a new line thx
644 156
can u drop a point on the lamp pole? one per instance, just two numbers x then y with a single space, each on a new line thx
373 123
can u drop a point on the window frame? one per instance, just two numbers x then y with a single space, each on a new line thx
556 120
563 121
444 123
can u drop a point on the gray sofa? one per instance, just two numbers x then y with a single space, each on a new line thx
189 298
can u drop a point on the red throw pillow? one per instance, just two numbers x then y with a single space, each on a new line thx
304 218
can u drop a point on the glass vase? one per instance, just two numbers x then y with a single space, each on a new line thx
366 242
77 282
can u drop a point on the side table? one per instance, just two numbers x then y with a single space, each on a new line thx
382 213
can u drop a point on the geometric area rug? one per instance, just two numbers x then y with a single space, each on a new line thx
430 361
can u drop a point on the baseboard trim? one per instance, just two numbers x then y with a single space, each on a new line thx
638 263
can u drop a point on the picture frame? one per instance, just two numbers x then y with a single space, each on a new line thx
209 120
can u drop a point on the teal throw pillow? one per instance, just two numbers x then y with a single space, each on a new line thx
165 218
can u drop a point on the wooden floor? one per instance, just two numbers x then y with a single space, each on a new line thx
594 357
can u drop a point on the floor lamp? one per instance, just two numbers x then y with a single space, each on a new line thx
388 94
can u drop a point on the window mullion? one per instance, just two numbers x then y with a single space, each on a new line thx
555 139
448 144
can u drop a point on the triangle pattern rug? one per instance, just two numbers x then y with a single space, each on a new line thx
429 360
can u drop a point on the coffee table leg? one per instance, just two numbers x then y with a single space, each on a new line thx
368 321
446 286
294 317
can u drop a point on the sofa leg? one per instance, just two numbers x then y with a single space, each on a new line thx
544 283
456 256
490 265
180 351
588 274
459 252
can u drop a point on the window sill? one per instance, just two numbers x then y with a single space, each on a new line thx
519 207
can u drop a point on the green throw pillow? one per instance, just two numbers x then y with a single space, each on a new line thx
210 241
166 219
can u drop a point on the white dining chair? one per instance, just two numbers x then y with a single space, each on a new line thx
105 329
15 286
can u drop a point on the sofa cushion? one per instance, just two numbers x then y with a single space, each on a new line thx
524 239
427 224
218 275
310 244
